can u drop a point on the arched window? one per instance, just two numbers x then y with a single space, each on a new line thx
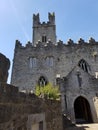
42 81
84 65
32 62
49 61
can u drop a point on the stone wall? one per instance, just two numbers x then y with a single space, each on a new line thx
4 66
65 58
22 111
53 115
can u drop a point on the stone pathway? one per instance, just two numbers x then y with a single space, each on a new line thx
93 126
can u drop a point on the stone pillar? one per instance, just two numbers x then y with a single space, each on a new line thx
60 82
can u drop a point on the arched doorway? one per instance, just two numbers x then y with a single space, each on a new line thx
82 111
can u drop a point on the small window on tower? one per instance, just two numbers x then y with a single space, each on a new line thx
44 38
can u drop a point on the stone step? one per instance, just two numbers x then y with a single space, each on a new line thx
93 126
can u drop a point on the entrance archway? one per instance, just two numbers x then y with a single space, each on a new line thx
82 110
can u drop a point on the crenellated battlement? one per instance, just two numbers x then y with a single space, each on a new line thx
51 17
36 20
50 44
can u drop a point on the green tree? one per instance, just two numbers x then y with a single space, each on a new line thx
49 91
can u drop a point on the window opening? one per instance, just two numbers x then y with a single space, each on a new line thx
42 81
32 62
49 61
44 38
65 101
84 65
96 75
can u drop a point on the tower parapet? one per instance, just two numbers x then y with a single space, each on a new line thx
45 30
36 19
51 17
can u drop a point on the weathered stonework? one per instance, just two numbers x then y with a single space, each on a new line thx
72 90
4 66
74 64
22 111
45 30
25 111
65 58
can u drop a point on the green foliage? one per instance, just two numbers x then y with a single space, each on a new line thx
48 91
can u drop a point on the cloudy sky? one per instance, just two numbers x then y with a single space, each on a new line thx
74 19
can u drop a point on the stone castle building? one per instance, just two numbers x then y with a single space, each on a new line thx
74 66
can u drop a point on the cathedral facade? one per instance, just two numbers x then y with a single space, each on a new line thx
74 66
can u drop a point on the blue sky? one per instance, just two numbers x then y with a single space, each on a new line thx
74 19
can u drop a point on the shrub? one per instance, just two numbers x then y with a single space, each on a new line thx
49 91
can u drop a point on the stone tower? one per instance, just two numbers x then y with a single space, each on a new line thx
44 32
